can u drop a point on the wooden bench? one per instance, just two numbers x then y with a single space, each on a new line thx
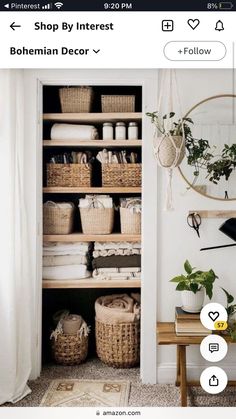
166 336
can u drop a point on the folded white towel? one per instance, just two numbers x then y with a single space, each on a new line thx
63 248
118 245
65 272
73 132
115 276
96 201
116 252
65 260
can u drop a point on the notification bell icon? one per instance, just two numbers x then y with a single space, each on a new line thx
219 26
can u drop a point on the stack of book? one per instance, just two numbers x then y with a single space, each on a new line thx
189 324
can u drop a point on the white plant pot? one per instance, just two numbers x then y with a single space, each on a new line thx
192 303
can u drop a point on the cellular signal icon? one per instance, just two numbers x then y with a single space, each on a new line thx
58 5
47 6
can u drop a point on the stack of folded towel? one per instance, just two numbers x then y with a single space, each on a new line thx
63 261
117 261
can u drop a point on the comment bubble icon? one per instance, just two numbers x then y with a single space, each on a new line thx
213 348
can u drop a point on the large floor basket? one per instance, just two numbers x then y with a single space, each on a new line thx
118 345
70 349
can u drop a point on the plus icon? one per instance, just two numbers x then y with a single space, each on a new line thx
167 25
180 51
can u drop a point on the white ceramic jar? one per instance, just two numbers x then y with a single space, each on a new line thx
107 131
120 131
133 131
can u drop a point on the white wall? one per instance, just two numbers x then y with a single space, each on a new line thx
177 242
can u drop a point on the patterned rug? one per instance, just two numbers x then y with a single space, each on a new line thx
86 393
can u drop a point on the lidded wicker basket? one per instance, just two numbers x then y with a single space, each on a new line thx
57 220
118 345
97 220
69 175
122 174
70 349
118 103
76 99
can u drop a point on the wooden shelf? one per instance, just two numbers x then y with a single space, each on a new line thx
91 283
106 190
94 143
93 117
79 237
215 213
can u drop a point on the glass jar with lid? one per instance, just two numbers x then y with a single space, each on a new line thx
133 131
107 131
120 131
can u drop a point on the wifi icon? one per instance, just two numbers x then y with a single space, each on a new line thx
58 5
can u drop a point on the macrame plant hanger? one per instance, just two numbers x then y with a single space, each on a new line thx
169 150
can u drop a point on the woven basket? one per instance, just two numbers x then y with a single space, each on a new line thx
97 220
69 175
122 174
118 345
165 150
76 99
118 103
57 220
70 349
130 222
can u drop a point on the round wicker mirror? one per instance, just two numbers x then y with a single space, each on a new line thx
210 161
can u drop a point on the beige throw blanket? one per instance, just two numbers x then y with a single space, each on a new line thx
117 308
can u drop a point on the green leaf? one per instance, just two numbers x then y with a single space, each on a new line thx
208 287
194 287
229 297
188 268
182 286
178 278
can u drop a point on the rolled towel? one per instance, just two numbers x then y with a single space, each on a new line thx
116 308
73 132
65 272
71 324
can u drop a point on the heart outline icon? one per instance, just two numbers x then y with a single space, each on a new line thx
193 23
213 315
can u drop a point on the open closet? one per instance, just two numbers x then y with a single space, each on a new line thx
77 294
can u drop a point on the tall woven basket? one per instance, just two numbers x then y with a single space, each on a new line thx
76 99
118 345
57 220
97 220
130 222
70 349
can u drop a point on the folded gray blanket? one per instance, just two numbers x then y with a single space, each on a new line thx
117 261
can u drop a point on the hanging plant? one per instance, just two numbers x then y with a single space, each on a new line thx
200 155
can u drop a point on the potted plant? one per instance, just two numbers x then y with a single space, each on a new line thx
231 311
169 144
193 286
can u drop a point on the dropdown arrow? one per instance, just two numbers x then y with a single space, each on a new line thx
96 50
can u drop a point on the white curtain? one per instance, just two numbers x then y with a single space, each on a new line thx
15 284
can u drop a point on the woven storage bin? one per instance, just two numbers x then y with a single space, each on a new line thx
69 175
57 220
118 345
76 99
118 103
97 220
130 222
70 349
122 174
